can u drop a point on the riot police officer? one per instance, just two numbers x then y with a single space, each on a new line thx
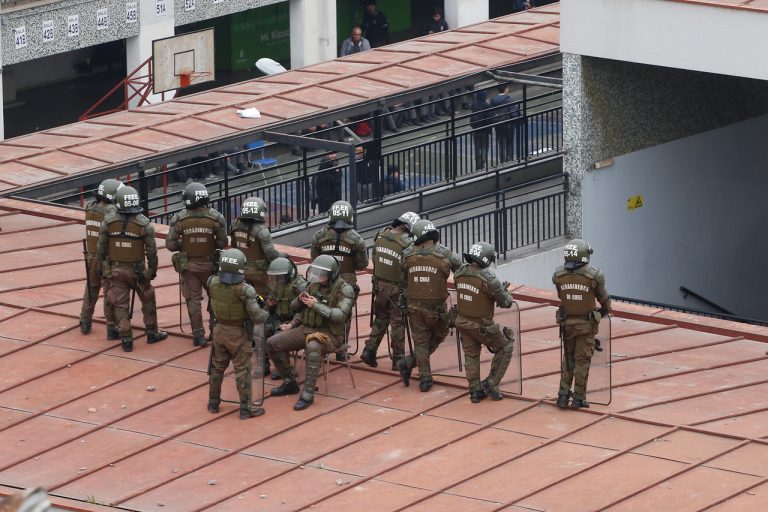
95 211
285 284
426 268
388 247
197 233
252 236
126 237
477 290
234 302
578 285
343 243
324 307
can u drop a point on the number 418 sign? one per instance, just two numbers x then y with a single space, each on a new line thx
20 37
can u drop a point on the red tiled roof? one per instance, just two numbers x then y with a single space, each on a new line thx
686 429
129 136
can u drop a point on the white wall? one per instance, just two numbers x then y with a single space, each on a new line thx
535 270
459 13
674 34
702 225
313 32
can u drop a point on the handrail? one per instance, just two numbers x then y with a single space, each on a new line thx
693 311
687 291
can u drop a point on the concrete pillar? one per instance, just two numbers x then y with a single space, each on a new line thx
460 13
313 32
151 26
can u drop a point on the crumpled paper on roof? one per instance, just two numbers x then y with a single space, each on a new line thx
250 113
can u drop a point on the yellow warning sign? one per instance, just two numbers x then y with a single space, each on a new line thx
635 202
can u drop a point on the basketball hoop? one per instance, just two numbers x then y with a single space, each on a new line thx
184 79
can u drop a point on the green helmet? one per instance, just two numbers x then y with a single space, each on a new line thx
195 195
408 219
281 271
576 253
253 208
341 215
232 266
424 230
127 200
323 265
107 190
481 253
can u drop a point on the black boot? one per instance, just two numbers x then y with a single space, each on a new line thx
302 403
200 341
213 407
425 385
112 333
276 375
405 371
562 400
85 327
493 393
369 357
341 357
246 414
395 361
288 387
578 403
127 343
477 396
156 336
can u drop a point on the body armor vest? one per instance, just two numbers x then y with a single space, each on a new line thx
94 214
284 296
388 256
227 306
576 292
473 301
244 239
311 318
126 241
335 245
198 236
426 278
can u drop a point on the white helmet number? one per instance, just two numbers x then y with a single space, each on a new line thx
340 210
131 200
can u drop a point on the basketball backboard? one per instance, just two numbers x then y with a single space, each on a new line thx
183 60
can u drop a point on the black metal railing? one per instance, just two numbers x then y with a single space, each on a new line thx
438 151
689 310
510 227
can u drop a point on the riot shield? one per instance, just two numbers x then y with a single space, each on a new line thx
599 383
513 379
257 366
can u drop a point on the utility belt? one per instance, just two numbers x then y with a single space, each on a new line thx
257 264
593 316
132 265
200 259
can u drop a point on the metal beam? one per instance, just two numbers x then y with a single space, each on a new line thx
524 78
309 142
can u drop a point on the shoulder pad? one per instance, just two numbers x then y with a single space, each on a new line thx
588 271
409 251
488 274
248 290
263 232
90 204
348 291
215 215
351 235
141 220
